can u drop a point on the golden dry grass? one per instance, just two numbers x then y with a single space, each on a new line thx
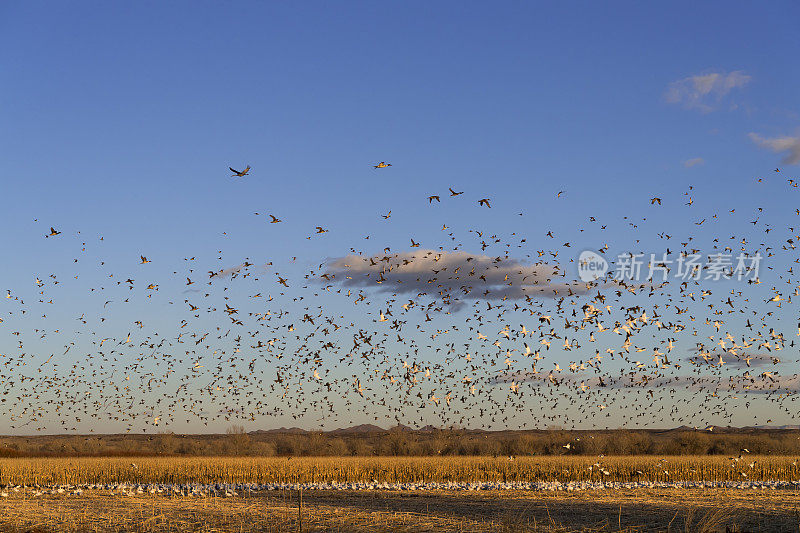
75 471
621 510
618 511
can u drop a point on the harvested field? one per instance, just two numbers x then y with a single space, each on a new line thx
671 469
260 494
629 511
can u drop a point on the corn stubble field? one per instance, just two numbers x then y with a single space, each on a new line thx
24 508
87 470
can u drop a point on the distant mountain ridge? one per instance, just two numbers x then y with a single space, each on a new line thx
361 428
372 428
278 430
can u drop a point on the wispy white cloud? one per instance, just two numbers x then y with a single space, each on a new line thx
705 91
457 274
689 163
763 383
790 145
229 271
734 360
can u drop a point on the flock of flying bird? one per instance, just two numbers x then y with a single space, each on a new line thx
482 331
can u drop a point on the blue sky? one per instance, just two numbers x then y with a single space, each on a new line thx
120 120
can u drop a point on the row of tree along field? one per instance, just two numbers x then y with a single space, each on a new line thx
405 442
